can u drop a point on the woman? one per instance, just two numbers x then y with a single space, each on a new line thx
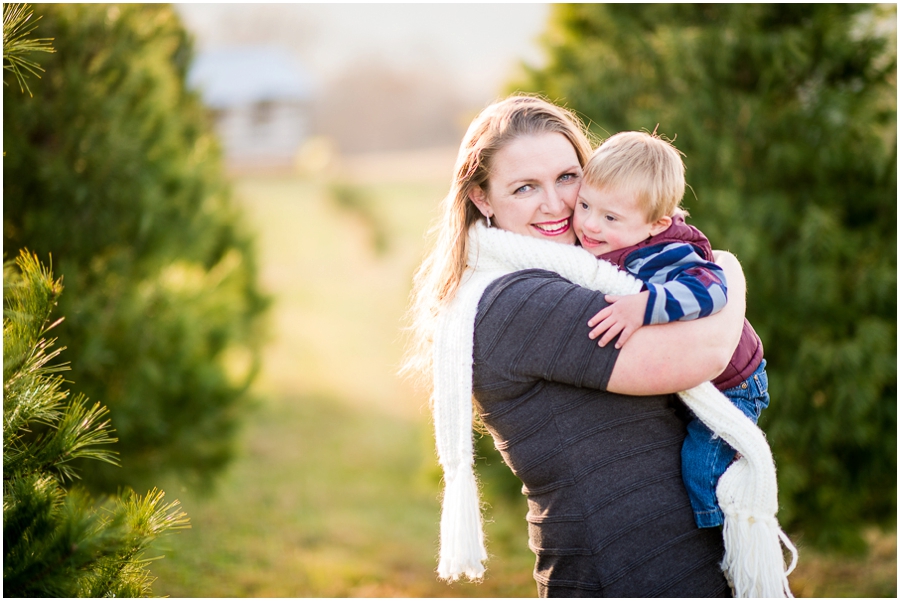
594 433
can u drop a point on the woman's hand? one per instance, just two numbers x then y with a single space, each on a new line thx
679 355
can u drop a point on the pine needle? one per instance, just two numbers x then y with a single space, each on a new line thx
16 45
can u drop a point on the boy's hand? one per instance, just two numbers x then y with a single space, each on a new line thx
622 317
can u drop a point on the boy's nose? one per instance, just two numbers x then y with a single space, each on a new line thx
593 224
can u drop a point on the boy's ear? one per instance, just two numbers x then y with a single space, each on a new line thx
479 199
660 225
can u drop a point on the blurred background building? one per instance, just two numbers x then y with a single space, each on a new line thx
357 79
261 100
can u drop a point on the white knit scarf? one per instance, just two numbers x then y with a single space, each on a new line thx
747 492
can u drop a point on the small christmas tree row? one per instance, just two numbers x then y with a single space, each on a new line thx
56 543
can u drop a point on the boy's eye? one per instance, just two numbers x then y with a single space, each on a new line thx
610 218
583 205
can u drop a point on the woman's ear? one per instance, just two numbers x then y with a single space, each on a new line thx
479 199
660 225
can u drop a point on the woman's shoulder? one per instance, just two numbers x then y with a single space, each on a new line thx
532 325
532 296
519 284
529 292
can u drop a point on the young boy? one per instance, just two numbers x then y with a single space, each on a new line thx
628 212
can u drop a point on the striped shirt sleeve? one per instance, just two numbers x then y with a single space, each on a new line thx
682 285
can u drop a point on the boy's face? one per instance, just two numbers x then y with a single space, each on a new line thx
607 220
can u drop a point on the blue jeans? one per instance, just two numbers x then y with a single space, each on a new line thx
705 457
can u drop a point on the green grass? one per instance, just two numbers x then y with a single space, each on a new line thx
328 501
336 491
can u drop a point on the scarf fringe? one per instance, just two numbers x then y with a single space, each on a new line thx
747 492
753 560
462 538
748 495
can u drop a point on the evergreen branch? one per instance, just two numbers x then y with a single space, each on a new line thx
152 517
56 544
31 399
29 295
79 432
146 518
31 396
32 367
33 393
16 28
35 402
79 539
74 434
30 504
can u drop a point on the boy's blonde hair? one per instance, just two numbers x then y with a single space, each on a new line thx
643 164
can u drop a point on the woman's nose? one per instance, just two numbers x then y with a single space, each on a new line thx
553 202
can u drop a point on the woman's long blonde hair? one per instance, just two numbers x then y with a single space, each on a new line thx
438 277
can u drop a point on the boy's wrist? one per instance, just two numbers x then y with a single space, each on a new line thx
648 294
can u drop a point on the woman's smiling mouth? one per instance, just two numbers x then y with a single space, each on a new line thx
553 228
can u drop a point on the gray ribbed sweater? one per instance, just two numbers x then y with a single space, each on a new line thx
608 514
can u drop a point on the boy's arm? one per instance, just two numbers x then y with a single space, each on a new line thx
682 285
682 354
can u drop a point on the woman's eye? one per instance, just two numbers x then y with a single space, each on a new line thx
524 188
566 177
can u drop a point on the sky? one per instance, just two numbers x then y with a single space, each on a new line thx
478 45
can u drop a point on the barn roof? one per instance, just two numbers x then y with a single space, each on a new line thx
235 76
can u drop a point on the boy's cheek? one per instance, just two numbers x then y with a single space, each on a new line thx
577 221
576 225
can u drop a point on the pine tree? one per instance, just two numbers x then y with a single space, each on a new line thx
112 168
787 117
55 542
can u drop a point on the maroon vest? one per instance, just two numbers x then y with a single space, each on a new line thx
749 352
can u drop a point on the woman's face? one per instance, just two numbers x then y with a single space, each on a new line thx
532 188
